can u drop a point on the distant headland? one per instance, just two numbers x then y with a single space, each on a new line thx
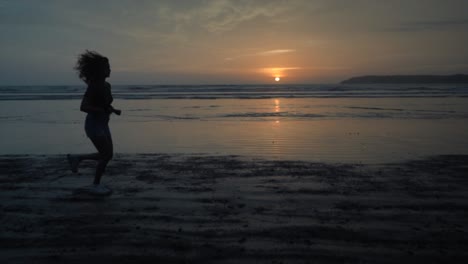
456 78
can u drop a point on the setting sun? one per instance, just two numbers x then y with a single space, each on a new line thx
277 79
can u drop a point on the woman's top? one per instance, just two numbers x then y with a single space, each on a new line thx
99 96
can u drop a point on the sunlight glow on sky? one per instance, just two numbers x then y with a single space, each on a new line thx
223 41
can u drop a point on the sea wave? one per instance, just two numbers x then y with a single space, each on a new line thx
236 91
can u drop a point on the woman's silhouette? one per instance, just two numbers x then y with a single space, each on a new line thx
93 69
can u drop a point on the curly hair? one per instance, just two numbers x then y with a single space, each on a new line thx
91 66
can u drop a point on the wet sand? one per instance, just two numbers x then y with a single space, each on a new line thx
231 209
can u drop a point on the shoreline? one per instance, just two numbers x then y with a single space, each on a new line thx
231 209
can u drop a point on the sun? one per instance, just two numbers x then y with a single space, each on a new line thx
277 79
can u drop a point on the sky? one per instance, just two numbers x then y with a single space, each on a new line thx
231 41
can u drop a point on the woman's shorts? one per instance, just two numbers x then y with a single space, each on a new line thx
97 125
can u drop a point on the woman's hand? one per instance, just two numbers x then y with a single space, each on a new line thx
111 109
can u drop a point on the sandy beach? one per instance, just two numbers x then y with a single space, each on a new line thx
234 209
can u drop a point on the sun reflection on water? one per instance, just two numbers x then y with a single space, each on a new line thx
277 105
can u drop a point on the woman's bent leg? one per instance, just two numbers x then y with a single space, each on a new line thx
105 147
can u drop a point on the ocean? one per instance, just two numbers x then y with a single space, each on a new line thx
239 91
372 123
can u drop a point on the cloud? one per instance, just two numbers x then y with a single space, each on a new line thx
274 52
223 15
226 16
262 53
430 25
281 69
285 69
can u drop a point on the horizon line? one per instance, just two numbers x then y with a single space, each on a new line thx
176 84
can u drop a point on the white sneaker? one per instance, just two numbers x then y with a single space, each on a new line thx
73 161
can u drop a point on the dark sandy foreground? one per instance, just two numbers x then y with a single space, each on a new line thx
203 209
